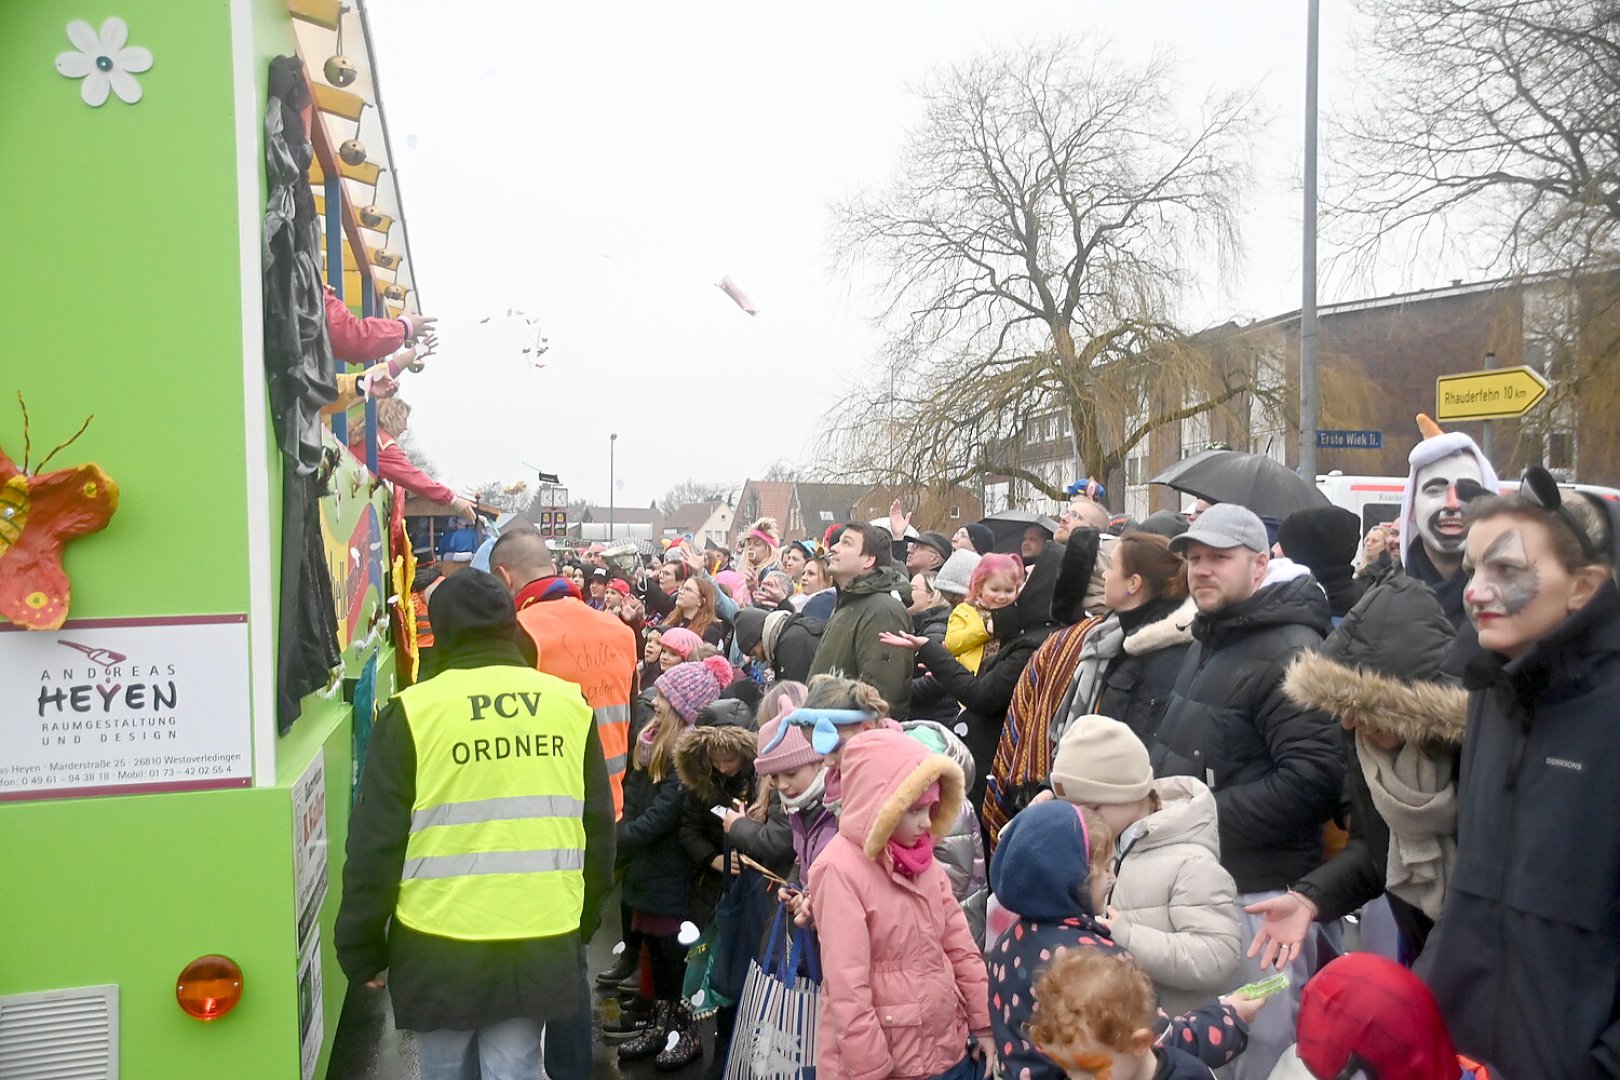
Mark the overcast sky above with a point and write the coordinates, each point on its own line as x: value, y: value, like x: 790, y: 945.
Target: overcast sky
x: 601, y: 166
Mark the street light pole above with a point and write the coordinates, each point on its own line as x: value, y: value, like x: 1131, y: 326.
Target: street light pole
x: 1307, y: 307
x: 613, y: 441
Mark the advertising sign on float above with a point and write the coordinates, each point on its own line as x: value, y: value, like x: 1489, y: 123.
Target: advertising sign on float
x: 124, y: 707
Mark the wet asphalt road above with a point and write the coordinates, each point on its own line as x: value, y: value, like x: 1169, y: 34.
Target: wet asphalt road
x: 367, y: 1047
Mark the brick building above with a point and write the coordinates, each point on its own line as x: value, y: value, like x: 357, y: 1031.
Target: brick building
x: 1378, y: 359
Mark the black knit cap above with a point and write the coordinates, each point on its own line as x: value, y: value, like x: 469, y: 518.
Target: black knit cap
x: 471, y: 606
x: 1322, y: 538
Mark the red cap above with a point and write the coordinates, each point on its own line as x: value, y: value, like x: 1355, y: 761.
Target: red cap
x: 1366, y: 1005
x: 619, y: 585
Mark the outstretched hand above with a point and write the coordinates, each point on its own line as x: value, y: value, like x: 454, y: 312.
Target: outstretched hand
x: 902, y: 641
x: 1285, y: 920
x: 899, y: 520
x: 1246, y: 1007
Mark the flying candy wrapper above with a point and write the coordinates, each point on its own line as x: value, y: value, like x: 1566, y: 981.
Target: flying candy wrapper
x: 729, y: 287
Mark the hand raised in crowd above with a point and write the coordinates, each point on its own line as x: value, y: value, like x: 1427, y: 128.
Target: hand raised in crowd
x: 463, y: 509
x: 902, y: 641
x: 899, y: 520
x: 631, y: 610
x: 1286, y: 919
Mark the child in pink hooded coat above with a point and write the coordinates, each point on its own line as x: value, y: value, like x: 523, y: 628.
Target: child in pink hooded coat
x: 903, y: 984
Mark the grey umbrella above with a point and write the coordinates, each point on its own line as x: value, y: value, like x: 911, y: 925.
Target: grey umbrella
x: 1263, y: 485
x: 1008, y: 528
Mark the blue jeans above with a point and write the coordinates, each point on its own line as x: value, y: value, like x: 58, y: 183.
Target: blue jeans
x: 966, y: 1069
x: 509, y: 1050
x: 568, y: 1041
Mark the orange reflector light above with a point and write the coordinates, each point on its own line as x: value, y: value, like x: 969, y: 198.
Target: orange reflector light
x: 209, y: 987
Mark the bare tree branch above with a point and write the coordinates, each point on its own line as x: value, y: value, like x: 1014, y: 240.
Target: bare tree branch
x: 1030, y: 253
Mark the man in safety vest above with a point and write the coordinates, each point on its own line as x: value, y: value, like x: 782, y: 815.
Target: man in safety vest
x: 593, y: 649
x: 484, y: 829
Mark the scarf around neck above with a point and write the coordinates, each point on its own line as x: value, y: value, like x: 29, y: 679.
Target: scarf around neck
x: 1104, y: 641
x: 546, y: 588
x: 1416, y: 794
x: 809, y: 798
x: 913, y: 860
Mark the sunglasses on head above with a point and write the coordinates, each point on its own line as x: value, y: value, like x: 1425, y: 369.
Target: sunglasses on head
x: 1540, y: 489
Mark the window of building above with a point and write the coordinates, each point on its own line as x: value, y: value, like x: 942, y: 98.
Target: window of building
x: 956, y: 512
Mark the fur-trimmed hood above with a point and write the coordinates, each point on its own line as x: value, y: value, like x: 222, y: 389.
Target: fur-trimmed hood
x: 883, y: 772
x: 1380, y: 666
x: 696, y: 751
x: 1174, y: 629
x: 1419, y: 711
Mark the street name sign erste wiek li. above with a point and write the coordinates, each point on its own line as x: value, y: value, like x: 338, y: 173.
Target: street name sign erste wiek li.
x: 1497, y: 394
x: 1349, y: 440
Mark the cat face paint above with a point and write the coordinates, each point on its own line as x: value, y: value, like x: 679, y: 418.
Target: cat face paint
x: 1518, y: 591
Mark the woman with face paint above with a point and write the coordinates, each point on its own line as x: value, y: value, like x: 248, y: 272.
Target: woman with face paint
x: 1526, y: 955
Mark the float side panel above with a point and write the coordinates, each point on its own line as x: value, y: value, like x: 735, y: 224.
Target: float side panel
x: 128, y: 891
x: 120, y: 284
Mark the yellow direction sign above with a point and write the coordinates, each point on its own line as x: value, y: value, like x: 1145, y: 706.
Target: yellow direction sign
x: 1498, y: 394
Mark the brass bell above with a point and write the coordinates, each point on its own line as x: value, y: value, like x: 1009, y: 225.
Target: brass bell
x: 396, y: 293
x: 353, y: 152
x: 371, y: 216
x: 340, y: 71
x: 417, y: 366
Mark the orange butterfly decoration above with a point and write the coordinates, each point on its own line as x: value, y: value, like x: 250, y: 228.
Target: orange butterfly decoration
x: 39, y: 513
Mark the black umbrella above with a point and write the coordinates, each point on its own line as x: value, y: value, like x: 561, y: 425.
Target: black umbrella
x: 1008, y: 528
x: 1253, y: 480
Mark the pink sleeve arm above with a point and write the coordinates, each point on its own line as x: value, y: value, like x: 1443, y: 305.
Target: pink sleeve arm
x: 396, y: 468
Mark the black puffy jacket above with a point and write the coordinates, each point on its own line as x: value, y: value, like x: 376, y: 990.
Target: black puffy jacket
x: 1380, y: 667
x: 796, y: 647
x: 985, y: 697
x: 657, y: 874
x: 1137, y: 684
x: 1525, y: 959
x: 930, y: 700
x: 1276, y: 768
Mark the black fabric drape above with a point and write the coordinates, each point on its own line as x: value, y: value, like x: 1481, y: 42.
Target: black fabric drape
x: 302, y: 377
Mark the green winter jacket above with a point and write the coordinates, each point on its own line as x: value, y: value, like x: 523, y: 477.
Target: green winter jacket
x: 850, y: 646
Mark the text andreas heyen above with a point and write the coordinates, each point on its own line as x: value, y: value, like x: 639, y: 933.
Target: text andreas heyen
x: 143, y: 709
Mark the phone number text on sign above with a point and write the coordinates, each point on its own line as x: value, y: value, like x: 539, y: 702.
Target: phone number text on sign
x: 117, y: 707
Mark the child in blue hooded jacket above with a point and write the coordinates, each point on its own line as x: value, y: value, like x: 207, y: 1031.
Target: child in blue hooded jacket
x: 1051, y: 870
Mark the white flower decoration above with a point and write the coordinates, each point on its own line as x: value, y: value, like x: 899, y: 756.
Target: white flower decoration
x: 103, y: 62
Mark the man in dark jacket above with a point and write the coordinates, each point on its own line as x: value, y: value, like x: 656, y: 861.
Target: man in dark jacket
x: 1276, y: 769
x: 480, y: 850
x: 869, y: 591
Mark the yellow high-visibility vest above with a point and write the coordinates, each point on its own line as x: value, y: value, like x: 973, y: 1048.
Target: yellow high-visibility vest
x: 497, y: 841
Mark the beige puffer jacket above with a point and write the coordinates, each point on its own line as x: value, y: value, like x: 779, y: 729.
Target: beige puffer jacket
x: 1176, y: 907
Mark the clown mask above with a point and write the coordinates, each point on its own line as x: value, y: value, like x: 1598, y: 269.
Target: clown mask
x: 1436, y: 508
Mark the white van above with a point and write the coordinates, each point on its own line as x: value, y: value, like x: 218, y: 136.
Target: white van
x: 1377, y: 499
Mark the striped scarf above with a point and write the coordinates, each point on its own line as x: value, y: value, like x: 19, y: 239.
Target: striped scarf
x: 1024, y: 754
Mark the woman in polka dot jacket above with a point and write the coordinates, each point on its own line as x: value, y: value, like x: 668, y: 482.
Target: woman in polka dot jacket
x: 1042, y: 870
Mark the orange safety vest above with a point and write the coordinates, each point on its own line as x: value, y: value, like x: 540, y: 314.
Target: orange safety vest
x: 596, y: 651
x: 424, y: 628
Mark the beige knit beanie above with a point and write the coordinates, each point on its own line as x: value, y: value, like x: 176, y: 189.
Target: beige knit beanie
x: 1100, y: 762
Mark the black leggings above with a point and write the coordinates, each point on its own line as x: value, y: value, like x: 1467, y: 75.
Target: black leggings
x: 667, y: 957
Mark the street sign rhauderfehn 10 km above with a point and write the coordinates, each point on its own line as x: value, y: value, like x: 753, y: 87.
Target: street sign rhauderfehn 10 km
x: 1497, y: 394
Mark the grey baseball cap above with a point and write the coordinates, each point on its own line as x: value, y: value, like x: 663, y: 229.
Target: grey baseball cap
x: 1225, y: 525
